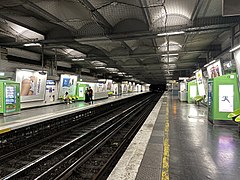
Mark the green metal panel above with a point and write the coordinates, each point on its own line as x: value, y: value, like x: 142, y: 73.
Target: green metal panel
x: 229, y: 79
x: 192, y: 91
x: 210, y: 99
x: 10, y: 97
x: 1, y: 98
x: 81, y: 88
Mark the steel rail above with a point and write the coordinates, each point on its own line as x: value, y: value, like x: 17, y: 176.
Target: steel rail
x: 41, y: 159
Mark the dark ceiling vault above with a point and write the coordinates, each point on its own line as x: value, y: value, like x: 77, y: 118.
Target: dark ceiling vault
x: 152, y: 40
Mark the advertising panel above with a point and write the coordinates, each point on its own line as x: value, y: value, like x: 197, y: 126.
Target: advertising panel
x: 200, y: 85
x: 109, y: 84
x: 193, y: 91
x: 68, y: 83
x: 10, y: 98
x: 51, y: 91
x: 183, y: 86
x: 237, y: 59
x: 214, y: 70
x: 226, y: 98
x: 32, y: 85
x: 81, y: 91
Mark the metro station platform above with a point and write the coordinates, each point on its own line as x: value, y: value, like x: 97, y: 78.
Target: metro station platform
x: 35, y: 115
x: 177, y: 142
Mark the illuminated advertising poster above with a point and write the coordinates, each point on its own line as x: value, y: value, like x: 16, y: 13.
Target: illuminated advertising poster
x: 51, y: 91
x: 226, y: 98
x: 81, y: 91
x: 68, y: 83
x: 237, y: 60
x: 193, y: 91
x: 32, y: 85
x: 183, y: 86
x: 200, y: 85
x: 214, y: 70
x: 109, y: 84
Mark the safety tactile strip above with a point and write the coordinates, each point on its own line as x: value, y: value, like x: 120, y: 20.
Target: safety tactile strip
x: 151, y: 164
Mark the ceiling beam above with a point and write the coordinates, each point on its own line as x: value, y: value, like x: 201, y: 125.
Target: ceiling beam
x: 139, y: 35
x: 147, y: 55
x: 216, y: 21
x: 96, y: 14
x: 53, y: 19
x: 148, y: 20
x: 196, y: 10
x: 162, y: 69
x: 28, y: 26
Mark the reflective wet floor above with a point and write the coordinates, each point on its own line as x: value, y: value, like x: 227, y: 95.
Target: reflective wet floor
x: 199, y: 150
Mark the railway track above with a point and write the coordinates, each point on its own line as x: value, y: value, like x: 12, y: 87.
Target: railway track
x: 68, y: 154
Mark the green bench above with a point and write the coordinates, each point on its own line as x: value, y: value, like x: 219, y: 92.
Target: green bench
x: 235, y: 116
x: 237, y: 119
x: 198, y: 99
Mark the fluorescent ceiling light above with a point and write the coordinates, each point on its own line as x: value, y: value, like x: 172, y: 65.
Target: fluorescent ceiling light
x: 183, y: 78
x: 31, y: 44
x: 73, y: 53
x: 121, y: 73
x: 99, y: 67
x: 113, y: 70
x: 165, y: 55
x: 78, y: 59
x: 129, y: 76
x: 235, y: 48
x: 171, y: 33
x: 27, y: 70
x: 209, y: 63
x: 98, y: 63
x: 102, y: 80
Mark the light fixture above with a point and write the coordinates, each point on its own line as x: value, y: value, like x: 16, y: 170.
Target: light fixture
x: 78, y: 59
x: 165, y: 55
x: 30, y: 70
x: 195, y: 71
x: 113, y: 70
x: 32, y: 44
x: 235, y: 48
x: 183, y: 78
x: 129, y: 76
x: 121, y: 73
x: 99, y: 67
x: 209, y: 63
x: 102, y: 80
x: 171, y: 33
x: 98, y: 63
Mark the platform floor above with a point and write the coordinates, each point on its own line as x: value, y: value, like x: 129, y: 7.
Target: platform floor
x: 30, y: 116
x: 177, y: 142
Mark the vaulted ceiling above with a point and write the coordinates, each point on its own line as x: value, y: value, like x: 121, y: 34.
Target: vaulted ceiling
x: 149, y: 40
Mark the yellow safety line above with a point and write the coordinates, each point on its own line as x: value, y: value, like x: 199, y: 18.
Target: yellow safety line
x: 5, y: 130
x: 166, y: 148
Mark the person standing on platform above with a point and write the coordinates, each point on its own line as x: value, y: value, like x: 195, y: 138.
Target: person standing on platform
x: 66, y: 98
x: 90, y: 95
x: 87, y: 99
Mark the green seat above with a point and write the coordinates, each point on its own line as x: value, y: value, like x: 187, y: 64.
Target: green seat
x: 198, y: 98
x: 237, y: 119
x: 234, y: 114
